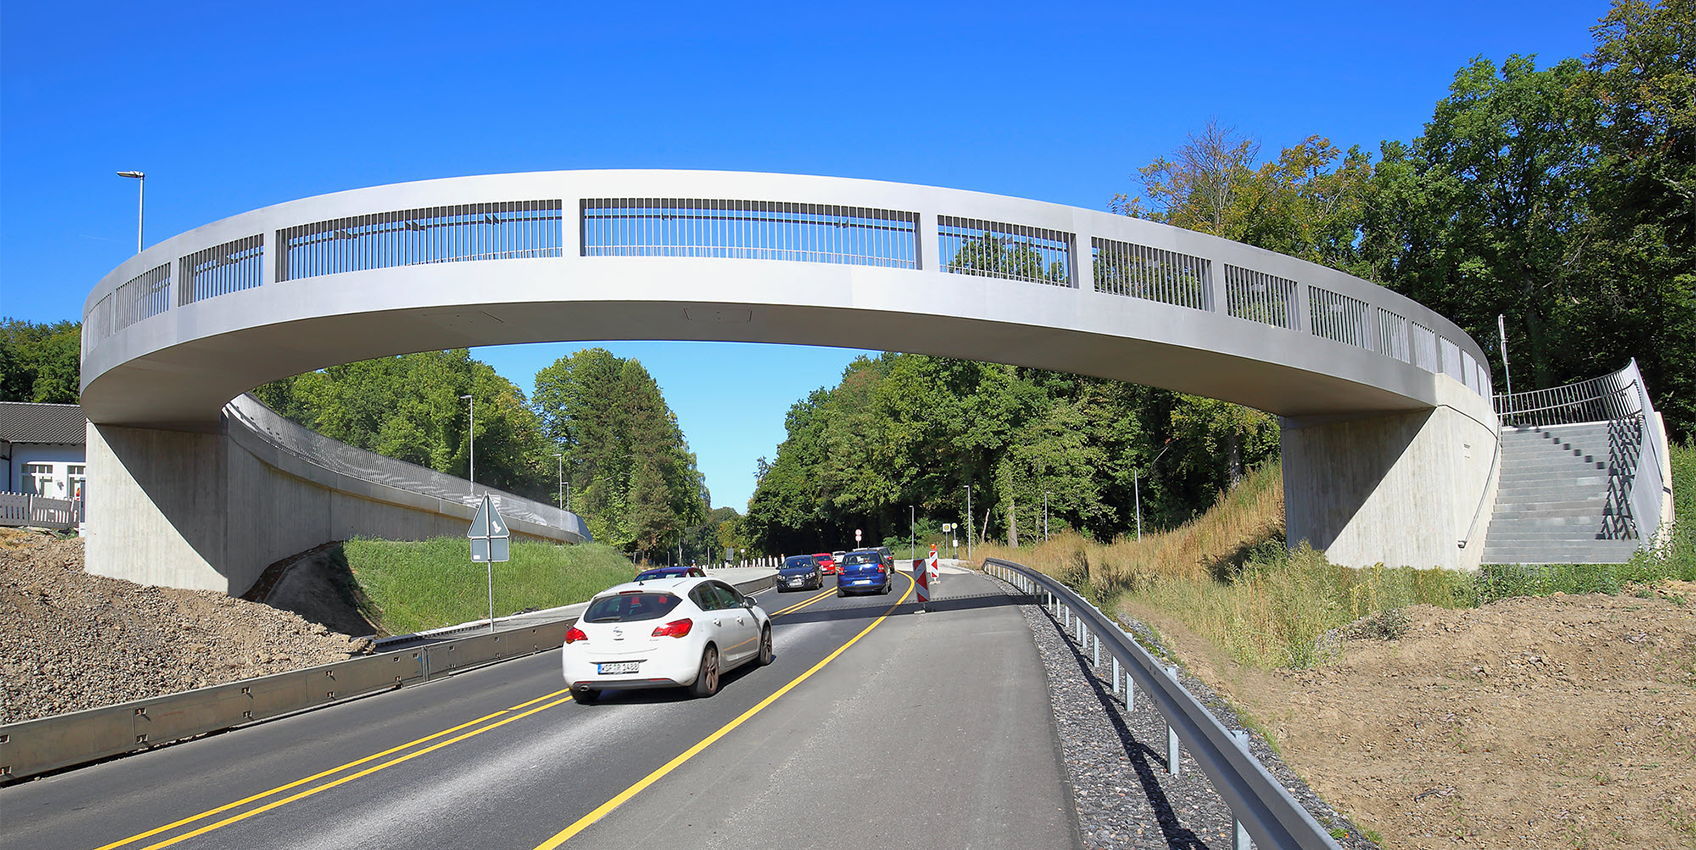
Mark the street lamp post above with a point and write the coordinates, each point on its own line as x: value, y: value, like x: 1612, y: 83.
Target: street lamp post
x: 1136, y: 485
x: 559, y: 494
x: 1045, y: 516
x: 471, y: 434
x: 140, y: 204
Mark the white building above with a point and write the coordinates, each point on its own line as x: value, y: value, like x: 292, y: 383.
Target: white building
x: 42, y: 449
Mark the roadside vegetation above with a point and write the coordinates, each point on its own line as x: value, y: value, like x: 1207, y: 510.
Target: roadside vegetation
x: 404, y: 587
x: 1229, y: 577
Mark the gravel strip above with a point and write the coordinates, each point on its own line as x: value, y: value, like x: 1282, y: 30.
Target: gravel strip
x: 1117, y: 759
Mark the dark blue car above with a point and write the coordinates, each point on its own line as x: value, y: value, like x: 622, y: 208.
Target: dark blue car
x: 865, y: 571
x: 799, y: 572
x: 670, y: 572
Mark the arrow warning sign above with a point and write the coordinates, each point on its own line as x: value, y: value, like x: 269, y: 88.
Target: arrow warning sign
x: 489, y: 534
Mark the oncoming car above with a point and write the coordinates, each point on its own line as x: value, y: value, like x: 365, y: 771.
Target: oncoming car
x: 663, y: 633
x: 799, y: 572
x: 669, y: 572
x: 865, y: 571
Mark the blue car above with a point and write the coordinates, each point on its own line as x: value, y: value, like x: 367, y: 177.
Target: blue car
x: 670, y: 572
x: 865, y: 571
x: 799, y: 572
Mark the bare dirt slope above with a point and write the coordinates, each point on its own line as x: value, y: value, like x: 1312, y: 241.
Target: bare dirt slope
x: 70, y: 640
x: 1531, y: 722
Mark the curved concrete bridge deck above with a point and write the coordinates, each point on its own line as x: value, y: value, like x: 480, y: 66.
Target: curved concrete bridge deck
x: 1389, y: 437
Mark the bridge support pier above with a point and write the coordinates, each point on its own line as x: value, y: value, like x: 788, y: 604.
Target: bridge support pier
x: 1401, y: 489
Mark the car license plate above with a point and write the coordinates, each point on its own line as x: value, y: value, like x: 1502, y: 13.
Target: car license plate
x: 608, y: 668
x: 863, y: 581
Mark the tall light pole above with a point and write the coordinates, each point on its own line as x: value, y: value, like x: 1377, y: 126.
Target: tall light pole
x: 912, y: 532
x: 1045, y: 516
x: 968, y: 523
x: 560, y: 493
x: 471, y: 433
x: 140, y: 204
x: 1136, y: 485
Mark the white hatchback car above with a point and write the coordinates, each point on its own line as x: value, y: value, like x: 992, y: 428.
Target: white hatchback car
x: 663, y: 633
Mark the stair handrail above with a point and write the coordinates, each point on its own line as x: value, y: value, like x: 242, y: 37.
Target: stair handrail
x: 1484, y: 497
x: 1647, y: 485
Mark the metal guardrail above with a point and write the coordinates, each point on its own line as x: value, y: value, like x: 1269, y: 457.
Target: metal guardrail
x: 66, y: 740
x: 1262, y: 807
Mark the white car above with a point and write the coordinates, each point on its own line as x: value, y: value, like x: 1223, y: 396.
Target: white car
x: 661, y: 633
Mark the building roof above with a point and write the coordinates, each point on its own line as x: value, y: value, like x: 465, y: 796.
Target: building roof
x: 24, y: 422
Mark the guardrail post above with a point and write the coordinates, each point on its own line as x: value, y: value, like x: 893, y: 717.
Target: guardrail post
x: 1115, y: 673
x: 1240, y: 839
x: 1097, y: 650
x: 1171, y: 735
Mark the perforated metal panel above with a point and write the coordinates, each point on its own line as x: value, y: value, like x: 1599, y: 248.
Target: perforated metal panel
x: 750, y: 230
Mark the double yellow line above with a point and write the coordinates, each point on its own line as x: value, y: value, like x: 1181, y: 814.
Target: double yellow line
x: 412, y: 749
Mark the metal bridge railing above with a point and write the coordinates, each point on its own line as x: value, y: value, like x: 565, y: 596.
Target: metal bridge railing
x: 1637, y: 443
x: 1262, y: 807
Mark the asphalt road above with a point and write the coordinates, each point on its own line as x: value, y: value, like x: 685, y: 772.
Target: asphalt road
x: 876, y: 725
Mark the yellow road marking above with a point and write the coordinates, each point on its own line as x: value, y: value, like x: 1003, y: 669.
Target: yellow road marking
x: 606, y: 808
x: 392, y: 750
x: 320, y: 775
x: 350, y: 777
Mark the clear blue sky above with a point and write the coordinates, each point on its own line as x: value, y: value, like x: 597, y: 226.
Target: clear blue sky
x: 232, y: 106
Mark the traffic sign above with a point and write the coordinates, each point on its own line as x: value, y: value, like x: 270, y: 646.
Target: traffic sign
x: 490, y: 539
x: 856, y: 537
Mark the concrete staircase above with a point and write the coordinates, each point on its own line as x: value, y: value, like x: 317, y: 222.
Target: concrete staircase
x: 1563, y: 495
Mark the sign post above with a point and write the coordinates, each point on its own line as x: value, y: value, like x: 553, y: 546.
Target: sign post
x: 490, y: 542
x: 856, y: 538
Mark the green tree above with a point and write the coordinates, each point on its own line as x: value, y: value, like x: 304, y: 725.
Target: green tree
x: 632, y: 475
x: 1486, y: 212
x: 409, y: 408
x: 1641, y: 265
x: 40, y: 363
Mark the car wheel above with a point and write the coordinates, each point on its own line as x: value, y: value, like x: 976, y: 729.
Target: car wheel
x: 586, y: 696
x: 887, y: 586
x: 765, y: 646
x: 706, y: 679
x: 840, y: 592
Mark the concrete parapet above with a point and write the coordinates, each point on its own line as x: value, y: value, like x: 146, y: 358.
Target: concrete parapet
x: 1403, y: 489
x: 210, y: 511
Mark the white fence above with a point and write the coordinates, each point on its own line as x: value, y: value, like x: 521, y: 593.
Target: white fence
x: 23, y: 509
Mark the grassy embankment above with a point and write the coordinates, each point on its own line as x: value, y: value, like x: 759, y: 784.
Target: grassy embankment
x: 1228, y: 576
x: 409, y: 586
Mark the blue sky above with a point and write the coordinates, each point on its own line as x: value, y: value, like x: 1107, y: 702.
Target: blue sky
x: 228, y: 107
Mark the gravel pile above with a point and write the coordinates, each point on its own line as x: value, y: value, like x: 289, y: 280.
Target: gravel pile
x: 1117, y: 759
x: 72, y: 641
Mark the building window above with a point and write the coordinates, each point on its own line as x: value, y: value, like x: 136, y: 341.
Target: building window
x: 38, y: 479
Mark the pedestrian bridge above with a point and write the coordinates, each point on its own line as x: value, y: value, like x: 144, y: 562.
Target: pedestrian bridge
x: 1389, y: 439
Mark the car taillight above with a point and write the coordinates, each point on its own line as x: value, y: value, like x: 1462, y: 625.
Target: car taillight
x: 574, y: 635
x: 675, y: 628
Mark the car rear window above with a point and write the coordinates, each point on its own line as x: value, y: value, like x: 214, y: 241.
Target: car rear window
x: 861, y: 558
x: 630, y: 607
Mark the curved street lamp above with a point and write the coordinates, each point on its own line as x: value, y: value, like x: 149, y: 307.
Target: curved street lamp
x: 141, y: 203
